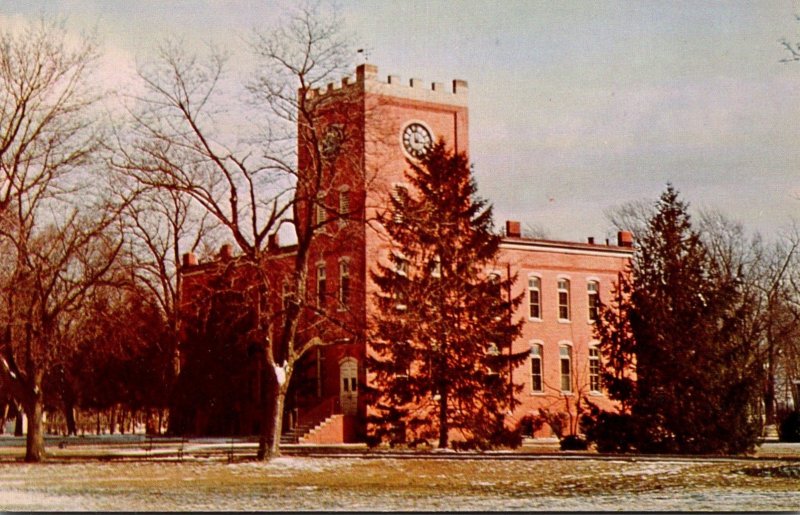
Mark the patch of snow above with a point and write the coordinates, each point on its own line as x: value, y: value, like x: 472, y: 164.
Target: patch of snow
x: 652, y: 468
x: 280, y: 373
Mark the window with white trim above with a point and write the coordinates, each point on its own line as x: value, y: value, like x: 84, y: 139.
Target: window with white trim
x: 344, y: 282
x: 492, y: 350
x: 593, y: 295
x: 321, y: 285
x: 436, y: 268
x: 401, y: 265
x: 565, y: 359
x: 319, y: 211
x: 344, y: 206
x: 536, y: 368
x: 534, y: 297
x: 494, y: 284
x: 594, y: 368
x: 286, y: 295
x: 400, y: 196
x: 563, y: 299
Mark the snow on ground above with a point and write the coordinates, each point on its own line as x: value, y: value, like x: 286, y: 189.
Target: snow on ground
x: 289, y: 465
x: 351, y: 484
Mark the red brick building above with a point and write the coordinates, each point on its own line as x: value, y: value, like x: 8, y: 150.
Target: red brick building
x: 381, y: 124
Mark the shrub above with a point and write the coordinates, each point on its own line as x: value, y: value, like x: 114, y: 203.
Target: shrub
x: 529, y: 424
x: 507, y: 438
x: 789, y: 429
x: 610, y: 432
x: 573, y: 443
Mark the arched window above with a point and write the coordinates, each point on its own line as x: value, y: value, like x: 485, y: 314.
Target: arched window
x: 344, y: 282
x: 320, y: 215
x: 534, y: 297
x: 565, y: 358
x: 594, y: 368
x: 400, y: 201
x: 436, y: 267
x: 493, y: 284
x: 563, y: 299
x: 536, y: 368
x: 344, y: 207
x: 593, y: 294
x: 321, y: 285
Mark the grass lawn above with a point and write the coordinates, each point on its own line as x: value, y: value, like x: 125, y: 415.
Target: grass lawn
x: 352, y: 484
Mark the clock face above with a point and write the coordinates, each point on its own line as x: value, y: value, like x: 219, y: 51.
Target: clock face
x: 416, y: 140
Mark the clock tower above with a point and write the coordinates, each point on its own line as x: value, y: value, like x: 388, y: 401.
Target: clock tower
x: 370, y: 129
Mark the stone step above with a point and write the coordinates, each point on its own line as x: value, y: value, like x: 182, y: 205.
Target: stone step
x: 294, y: 435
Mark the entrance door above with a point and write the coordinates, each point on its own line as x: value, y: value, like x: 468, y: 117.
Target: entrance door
x: 348, y: 385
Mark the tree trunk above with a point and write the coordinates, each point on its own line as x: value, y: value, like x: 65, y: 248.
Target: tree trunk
x: 769, y: 402
x: 443, y: 427
x: 34, y: 442
x: 112, y: 420
x: 69, y: 414
x: 4, y: 417
x: 270, y: 439
x: 18, y: 423
x: 149, y: 422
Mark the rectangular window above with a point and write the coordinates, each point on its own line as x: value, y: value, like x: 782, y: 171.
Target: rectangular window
x: 594, y: 369
x: 400, y: 300
x: 593, y: 291
x: 344, y: 206
x: 399, y: 203
x: 534, y: 297
x: 436, y: 270
x: 565, y: 352
x: 319, y: 212
x: 321, y: 286
x: 536, y: 368
x: 493, y: 285
x: 286, y: 295
x: 401, y: 265
x: 563, y: 299
x: 344, y: 282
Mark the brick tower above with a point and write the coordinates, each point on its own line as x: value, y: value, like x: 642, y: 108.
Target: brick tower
x: 370, y: 128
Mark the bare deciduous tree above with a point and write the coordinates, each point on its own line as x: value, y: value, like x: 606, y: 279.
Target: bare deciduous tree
x: 55, y: 247
x: 251, y: 185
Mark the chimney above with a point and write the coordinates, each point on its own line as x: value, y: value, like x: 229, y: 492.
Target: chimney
x: 513, y: 229
x: 189, y: 259
x: 273, y: 242
x: 226, y: 252
x: 624, y: 239
x: 591, y: 240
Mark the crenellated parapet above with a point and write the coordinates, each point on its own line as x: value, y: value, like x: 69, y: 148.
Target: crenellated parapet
x: 366, y: 79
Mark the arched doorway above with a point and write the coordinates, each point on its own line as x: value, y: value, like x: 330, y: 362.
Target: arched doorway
x: 348, y: 385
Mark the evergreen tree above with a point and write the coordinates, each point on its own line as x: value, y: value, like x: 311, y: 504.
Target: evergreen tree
x: 678, y: 324
x: 442, y: 337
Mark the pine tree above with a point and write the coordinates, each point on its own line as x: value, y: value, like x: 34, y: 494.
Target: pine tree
x: 442, y: 336
x: 678, y: 325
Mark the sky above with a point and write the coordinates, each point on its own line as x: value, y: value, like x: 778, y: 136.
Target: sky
x: 574, y: 106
